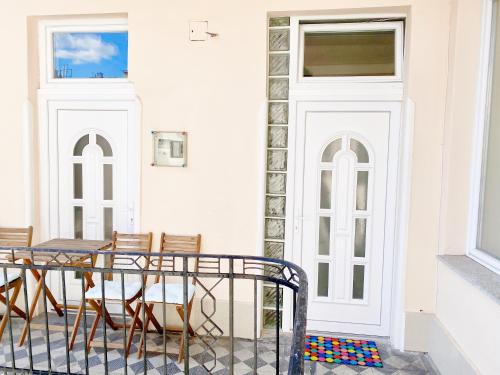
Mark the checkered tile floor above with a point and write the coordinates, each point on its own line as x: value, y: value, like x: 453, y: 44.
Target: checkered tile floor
x: 395, y: 362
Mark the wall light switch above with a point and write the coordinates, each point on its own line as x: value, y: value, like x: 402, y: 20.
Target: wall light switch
x: 198, y: 30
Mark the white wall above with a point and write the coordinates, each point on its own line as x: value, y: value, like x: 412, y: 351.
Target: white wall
x: 468, y: 318
x: 214, y: 90
x: 472, y: 320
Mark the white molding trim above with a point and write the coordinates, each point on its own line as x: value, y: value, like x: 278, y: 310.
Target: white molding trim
x: 29, y: 192
x: 51, y: 99
x: 351, y: 27
x: 480, y: 136
x: 46, y: 29
x: 398, y: 316
x: 261, y: 200
x: 353, y: 16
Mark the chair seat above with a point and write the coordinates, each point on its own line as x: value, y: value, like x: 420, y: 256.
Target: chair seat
x: 173, y: 293
x: 11, y: 276
x: 113, y: 290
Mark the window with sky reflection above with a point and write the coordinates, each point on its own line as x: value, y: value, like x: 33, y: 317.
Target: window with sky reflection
x: 91, y: 55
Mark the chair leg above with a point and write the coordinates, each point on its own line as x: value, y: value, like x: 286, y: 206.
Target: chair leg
x: 76, y: 325
x: 143, y: 331
x: 135, y: 322
x: 98, y: 314
x: 12, y: 301
x: 153, y: 319
x: 131, y: 312
x: 180, y: 357
x: 36, y: 296
x: 15, y: 309
x: 180, y: 311
x: 109, y: 320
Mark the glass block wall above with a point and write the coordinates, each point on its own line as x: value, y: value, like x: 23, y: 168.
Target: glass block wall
x: 277, y: 143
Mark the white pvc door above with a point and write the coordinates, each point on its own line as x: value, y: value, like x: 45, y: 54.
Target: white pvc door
x: 343, y: 193
x: 92, y: 153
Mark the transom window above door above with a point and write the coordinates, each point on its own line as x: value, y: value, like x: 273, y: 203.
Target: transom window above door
x: 90, y: 55
x: 83, y: 51
x: 351, y: 51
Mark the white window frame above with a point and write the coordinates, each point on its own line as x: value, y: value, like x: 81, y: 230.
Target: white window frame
x: 396, y: 26
x: 481, y: 136
x: 46, y: 49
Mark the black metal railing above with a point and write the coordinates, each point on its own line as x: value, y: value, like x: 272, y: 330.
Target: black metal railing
x: 216, y: 277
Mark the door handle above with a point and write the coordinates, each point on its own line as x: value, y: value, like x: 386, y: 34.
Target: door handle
x: 131, y: 216
x: 297, y: 223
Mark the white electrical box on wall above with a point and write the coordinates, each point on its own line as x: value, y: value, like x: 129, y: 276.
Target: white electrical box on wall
x: 198, y: 30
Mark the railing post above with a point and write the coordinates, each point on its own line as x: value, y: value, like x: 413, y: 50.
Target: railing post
x: 122, y: 282
x: 47, y: 333
x: 277, y: 328
x: 144, y: 324
x: 65, y: 307
x: 9, y: 321
x: 103, y: 317
x: 185, y: 308
x: 255, y: 325
x: 231, y: 316
x: 164, y: 316
x: 85, y: 337
x: 28, y: 322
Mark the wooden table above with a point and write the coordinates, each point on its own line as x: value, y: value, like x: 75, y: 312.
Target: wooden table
x: 51, y: 258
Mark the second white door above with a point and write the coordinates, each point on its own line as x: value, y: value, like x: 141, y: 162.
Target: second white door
x: 344, y: 190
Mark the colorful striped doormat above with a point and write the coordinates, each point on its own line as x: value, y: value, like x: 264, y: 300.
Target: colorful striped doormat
x: 342, y: 351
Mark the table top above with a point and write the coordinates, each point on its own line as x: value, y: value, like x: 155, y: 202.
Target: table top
x: 62, y: 258
x: 74, y: 244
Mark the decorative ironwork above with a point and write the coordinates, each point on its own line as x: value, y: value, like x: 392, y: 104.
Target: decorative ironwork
x: 207, y: 271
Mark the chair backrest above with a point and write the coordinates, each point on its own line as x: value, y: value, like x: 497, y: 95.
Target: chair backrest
x: 16, y: 237
x: 172, y: 244
x: 132, y: 242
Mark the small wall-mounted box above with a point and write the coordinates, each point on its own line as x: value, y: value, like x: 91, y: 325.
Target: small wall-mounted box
x: 198, y: 30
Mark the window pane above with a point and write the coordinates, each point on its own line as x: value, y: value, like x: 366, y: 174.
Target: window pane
x: 336, y: 54
x: 326, y: 190
x: 362, y: 190
x: 324, y: 236
x: 78, y: 222
x: 80, y: 145
x: 358, y: 281
x: 108, y: 181
x: 90, y: 55
x: 360, y: 238
x: 108, y: 222
x: 77, y: 181
x: 323, y: 271
x: 489, y: 233
x: 360, y: 150
x: 104, y: 144
x: 331, y: 150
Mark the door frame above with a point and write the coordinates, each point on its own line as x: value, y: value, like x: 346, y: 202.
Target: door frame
x: 51, y: 100
x: 366, y: 92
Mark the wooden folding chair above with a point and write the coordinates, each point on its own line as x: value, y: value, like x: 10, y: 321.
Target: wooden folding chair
x: 113, y: 289
x: 171, y: 244
x: 14, y: 237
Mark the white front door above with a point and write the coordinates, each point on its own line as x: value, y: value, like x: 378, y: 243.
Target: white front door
x: 93, y: 154
x: 347, y: 156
